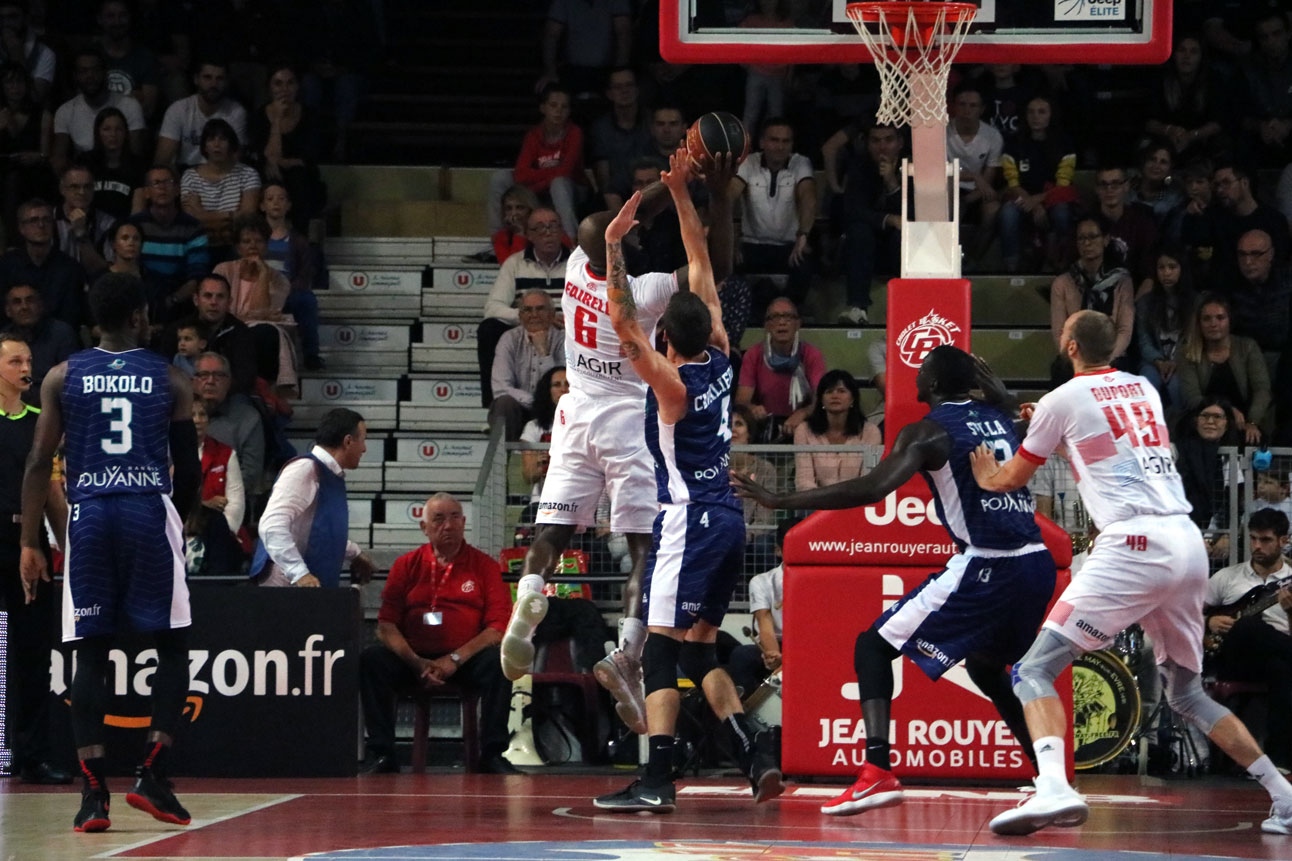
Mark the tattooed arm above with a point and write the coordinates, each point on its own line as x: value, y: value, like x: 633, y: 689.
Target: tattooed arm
x: 654, y: 369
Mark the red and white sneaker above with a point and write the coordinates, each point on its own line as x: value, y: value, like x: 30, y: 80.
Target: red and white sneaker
x: 875, y: 787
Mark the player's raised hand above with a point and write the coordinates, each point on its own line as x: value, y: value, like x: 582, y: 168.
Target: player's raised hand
x: 679, y: 171
x: 31, y: 566
x: 746, y: 488
x: 718, y: 179
x: 992, y: 387
x: 625, y: 220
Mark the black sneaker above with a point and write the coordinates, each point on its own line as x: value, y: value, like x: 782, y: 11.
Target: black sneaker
x: 152, y: 795
x: 638, y: 796
x: 765, y: 768
x: 93, y: 815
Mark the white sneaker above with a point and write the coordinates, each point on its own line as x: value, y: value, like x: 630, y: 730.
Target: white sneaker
x: 1051, y: 804
x: 517, y: 649
x: 622, y: 676
x: 854, y: 316
x: 1280, y: 821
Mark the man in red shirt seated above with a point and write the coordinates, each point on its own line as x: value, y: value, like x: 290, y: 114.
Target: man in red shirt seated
x: 443, y: 612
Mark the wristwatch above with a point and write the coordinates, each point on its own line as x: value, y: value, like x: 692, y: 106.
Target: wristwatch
x: 455, y: 658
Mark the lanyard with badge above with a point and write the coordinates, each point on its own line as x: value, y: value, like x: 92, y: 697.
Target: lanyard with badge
x: 434, y: 616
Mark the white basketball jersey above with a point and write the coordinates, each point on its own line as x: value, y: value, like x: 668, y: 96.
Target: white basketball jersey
x: 595, y: 363
x: 1111, y: 424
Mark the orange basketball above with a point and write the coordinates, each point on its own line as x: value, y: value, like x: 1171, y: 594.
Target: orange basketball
x: 714, y: 133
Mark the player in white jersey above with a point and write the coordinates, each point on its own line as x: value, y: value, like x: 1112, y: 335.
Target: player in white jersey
x: 598, y: 438
x: 1149, y: 565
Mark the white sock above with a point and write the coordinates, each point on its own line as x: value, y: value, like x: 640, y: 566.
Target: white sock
x: 1049, y: 759
x: 632, y: 637
x: 530, y: 583
x: 1275, y: 783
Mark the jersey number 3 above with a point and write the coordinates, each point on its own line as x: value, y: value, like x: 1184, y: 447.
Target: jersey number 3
x: 122, y: 411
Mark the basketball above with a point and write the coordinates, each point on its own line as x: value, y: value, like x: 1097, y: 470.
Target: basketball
x: 715, y: 133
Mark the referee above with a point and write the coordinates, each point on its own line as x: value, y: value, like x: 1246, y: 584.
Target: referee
x: 31, y: 633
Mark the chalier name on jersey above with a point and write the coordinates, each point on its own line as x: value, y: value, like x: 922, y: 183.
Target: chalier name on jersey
x: 583, y: 297
x: 116, y: 384
x: 719, y: 388
x: 598, y: 366
x: 115, y: 476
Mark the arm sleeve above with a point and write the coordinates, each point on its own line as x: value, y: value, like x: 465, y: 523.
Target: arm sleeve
x: 235, y: 493
x: 1123, y: 315
x: 171, y: 124
x: 813, y: 364
x: 504, y: 377
x: 293, y: 493
x: 1258, y: 385
x: 133, y: 113
x: 760, y: 592
x: 1190, y: 383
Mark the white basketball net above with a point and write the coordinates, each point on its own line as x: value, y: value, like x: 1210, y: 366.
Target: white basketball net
x: 910, y: 40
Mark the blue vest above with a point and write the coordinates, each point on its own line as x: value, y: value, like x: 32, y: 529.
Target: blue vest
x: 329, y: 531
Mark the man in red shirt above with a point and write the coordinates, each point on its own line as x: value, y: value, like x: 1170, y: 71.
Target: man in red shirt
x: 443, y: 612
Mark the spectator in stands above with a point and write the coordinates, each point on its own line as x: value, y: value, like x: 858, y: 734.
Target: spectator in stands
x: 19, y: 44
x: 1208, y: 426
x: 51, y: 341
x: 517, y: 203
x: 218, y: 523
x: 765, y: 83
x: 74, y: 120
x: 1188, y: 106
x: 550, y: 162
x: 1038, y: 165
x: 443, y: 612
x: 175, y: 250
x: 118, y: 170
x: 1267, y: 115
x: 225, y: 333
x: 778, y: 198
x: 667, y: 130
x: 746, y: 430
x: 305, y: 529
x: 249, y: 33
x: 1234, y: 211
x: 26, y: 140
x: 1164, y: 309
x: 542, y: 266
x: 1155, y: 189
x: 37, y: 261
x: 582, y: 41
x: 979, y: 147
x: 221, y: 189
x: 524, y: 354
x: 133, y: 70
x: 126, y: 241
x: 291, y: 254
x: 1098, y: 282
x: 340, y: 40
x: 257, y: 296
x: 779, y: 375
x: 1257, y: 647
x: 285, y: 144
x: 836, y: 419
x: 83, y: 231
x: 751, y: 663
x: 190, y: 344
x: 655, y: 244
x: 1129, y: 224
x: 549, y: 390
x: 1218, y: 364
x: 1261, y: 297
x: 1006, y: 96
x: 180, y: 140
x: 233, y: 419
x: 617, y: 138
x: 1272, y: 492
x: 863, y: 167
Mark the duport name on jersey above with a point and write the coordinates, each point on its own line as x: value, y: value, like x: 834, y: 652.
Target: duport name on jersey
x: 116, y: 384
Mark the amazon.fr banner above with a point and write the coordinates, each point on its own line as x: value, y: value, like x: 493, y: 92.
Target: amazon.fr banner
x: 272, y: 692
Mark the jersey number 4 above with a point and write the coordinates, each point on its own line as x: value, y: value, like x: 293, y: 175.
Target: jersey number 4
x: 1138, y: 423
x: 122, y: 412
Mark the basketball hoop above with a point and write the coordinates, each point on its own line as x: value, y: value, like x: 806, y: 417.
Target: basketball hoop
x: 912, y: 40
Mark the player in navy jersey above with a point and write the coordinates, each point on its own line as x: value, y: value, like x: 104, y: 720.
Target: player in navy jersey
x: 698, y: 540
x: 128, y: 419
x: 955, y: 614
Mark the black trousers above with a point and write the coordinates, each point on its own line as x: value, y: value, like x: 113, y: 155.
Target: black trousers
x: 32, y: 635
x: 383, y: 677
x: 1255, y: 652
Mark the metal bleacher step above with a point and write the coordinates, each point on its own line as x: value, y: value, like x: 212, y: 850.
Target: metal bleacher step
x: 442, y: 402
x: 377, y: 400
x: 365, y: 348
x: 444, y: 462
x: 447, y: 346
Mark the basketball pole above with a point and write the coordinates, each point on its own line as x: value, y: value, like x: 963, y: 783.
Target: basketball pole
x: 931, y: 226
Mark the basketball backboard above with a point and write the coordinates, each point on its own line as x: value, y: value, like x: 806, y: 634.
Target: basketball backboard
x: 1004, y: 31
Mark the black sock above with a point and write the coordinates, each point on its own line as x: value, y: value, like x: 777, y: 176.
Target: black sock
x: 659, y: 765
x: 155, y: 757
x: 742, y: 733
x: 93, y: 774
x: 877, y: 750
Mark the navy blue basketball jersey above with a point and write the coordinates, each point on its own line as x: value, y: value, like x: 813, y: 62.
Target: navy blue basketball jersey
x: 693, y: 456
x: 976, y: 517
x: 116, y: 412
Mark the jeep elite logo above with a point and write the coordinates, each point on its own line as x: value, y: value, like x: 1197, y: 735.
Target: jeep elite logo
x: 331, y: 389
x: 463, y: 278
x: 345, y: 335
x: 359, y: 280
x: 918, y: 338
x: 452, y: 334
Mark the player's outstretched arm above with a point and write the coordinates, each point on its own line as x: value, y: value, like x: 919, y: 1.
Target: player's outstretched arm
x: 35, y: 481
x: 699, y: 267
x: 997, y: 477
x: 655, y: 370
x: 923, y: 445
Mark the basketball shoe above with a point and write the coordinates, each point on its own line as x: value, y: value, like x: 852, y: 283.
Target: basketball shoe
x: 875, y: 787
x: 1053, y: 803
x: 152, y: 795
x: 638, y: 797
x: 518, y: 643
x: 93, y: 815
x: 621, y: 674
x: 1280, y: 821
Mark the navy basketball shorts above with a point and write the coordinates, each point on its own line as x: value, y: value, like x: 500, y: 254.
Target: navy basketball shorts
x: 696, y: 558
x: 124, y: 567
x: 987, y: 604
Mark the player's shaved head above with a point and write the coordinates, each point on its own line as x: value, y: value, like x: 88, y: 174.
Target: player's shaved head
x: 592, y: 238
x: 1094, y: 334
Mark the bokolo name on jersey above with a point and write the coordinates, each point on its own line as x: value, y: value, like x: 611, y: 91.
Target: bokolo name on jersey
x: 718, y: 389
x: 118, y: 478
x: 113, y: 384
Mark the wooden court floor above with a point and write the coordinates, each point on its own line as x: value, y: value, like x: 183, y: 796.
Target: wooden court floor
x: 450, y: 815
